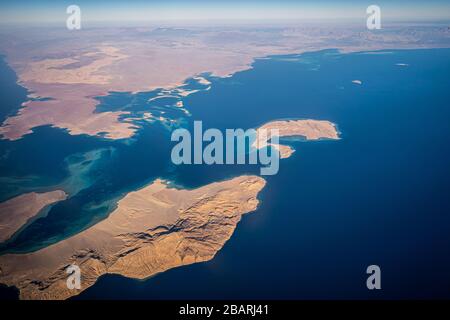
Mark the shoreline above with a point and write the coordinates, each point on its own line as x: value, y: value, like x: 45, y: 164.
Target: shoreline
x: 20, y: 211
x: 113, y: 245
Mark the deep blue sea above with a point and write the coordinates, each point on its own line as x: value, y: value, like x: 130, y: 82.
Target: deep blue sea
x: 380, y: 195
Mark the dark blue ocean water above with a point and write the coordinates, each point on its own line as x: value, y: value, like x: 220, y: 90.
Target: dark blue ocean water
x: 11, y: 94
x: 377, y: 196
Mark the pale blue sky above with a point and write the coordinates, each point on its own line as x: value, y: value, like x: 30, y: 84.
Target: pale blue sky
x: 139, y: 10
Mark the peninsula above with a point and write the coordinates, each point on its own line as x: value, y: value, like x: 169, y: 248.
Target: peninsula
x: 152, y: 230
x: 16, y: 212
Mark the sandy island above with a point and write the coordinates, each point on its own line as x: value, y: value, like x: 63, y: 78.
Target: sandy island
x: 152, y: 230
x: 17, y: 211
x: 308, y: 129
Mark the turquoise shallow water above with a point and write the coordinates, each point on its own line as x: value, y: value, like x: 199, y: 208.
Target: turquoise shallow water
x: 377, y: 196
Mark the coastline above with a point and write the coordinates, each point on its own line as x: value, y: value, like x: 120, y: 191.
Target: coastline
x: 114, y: 244
x: 19, y: 211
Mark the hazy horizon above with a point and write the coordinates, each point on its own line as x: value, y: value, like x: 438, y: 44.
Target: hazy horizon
x: 47, y: 12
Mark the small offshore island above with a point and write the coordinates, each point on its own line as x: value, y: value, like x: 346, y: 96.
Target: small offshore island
x: 308, y: 129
